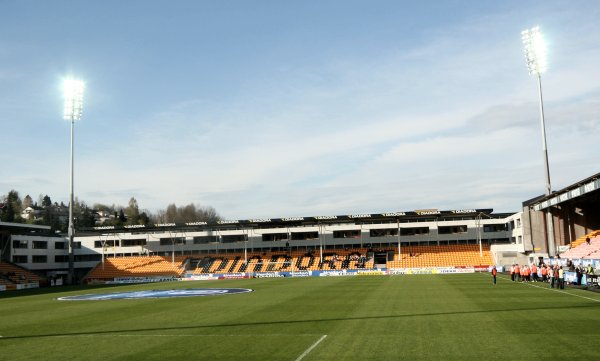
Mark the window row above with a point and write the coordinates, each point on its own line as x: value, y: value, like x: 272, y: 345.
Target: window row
x: 117, y: 243
x: 57, y: 258
x: 24, y: 244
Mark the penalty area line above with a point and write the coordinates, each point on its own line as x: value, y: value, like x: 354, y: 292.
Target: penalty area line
x: 308, y: 350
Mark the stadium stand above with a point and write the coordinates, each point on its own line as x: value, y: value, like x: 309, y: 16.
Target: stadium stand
x: 338, y: 259
x: 277, y: 261
x: 443, y: 256
x: 581, y: 240
x: 12, y: 275
x: 581, y: 249
x: 412, y: 257
x: 126, y: 267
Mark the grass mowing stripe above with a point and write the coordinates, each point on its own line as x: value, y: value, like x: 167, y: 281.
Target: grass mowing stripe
x: 308, y: 350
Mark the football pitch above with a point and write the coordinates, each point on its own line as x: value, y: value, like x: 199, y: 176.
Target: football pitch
x: 408, y: 317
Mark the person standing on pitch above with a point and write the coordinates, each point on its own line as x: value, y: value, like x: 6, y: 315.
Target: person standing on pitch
x: 544, y: 272
x: 561, y: 278
x: 494, y: 273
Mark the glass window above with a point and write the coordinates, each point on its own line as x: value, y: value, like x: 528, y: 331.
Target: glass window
x: 61, y: 258
x: 20, y: 244
x: 39, y: 245
x: 205, y: 239
x: 134, y: 242
x: 169, y: 241
x: 107, y: 243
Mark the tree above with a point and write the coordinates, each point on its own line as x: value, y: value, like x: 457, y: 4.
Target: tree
x: 46, y: 201
x: 85, y: 217
x: 132, y: 212
x: 159, y: 217
x: 122, y: 217
x: 209, y: 214
x: 171, y: 213
x: 104, y: 207
x: 27, y: 201
x: 50, y: 217
x: 8, y: 213
x: 12, y: 208
x: 144, y: 219
x: 188, y: 213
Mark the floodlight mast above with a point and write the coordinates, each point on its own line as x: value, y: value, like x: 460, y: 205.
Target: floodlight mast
x: 73, y: 107
x: 535, y: 56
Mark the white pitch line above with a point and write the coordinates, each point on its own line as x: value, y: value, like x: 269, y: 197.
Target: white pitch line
x: 308, y: 350
x: 565, y: 292
x: 555, y: 290
x: 179, y: 335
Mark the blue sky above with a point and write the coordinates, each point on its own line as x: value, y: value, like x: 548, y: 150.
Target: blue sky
x: 297, y: 108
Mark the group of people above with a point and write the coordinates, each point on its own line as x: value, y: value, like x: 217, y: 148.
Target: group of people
x: 357, y: 257
x: 552, y: 274
x: 555, y: 275
x: 12, y: 275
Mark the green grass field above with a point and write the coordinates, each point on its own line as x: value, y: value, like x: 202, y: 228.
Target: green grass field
x: 418, y: 317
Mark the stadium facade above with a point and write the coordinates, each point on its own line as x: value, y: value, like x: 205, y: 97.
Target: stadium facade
x: 512, y: 237
x: 389, y: 231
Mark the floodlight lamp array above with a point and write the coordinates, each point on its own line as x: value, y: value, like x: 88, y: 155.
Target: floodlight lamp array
x: 535, y: 50
x: 73, y: 99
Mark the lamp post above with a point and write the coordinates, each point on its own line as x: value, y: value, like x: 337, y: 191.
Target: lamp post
x: 73, y: 107
x: 321, y: 228
x: 246, y: 247
x: 535, y: 56
x: 399, y: 246
x: 478, y: 230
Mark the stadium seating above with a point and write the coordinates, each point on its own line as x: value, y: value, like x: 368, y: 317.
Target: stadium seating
x: 581, y: 240
x: 352, y: 259
x: 443, y: 256
x: 581, y: 249
x: 12, y: 275
x: 153, y: 266
x: 338, y: 259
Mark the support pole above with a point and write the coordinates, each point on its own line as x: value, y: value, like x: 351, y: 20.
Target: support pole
x: 549, y: 219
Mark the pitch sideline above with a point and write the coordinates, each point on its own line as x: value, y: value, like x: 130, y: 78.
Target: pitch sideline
x: 552, y: 289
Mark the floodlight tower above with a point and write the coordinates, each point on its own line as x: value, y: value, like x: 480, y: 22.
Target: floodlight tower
x: 73, y: 92
x: 535, y: 56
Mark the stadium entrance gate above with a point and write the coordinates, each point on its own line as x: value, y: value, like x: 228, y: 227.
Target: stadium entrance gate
x: 380, y: 258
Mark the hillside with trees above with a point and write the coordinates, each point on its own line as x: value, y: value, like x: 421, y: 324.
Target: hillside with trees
x: 45, y: 212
